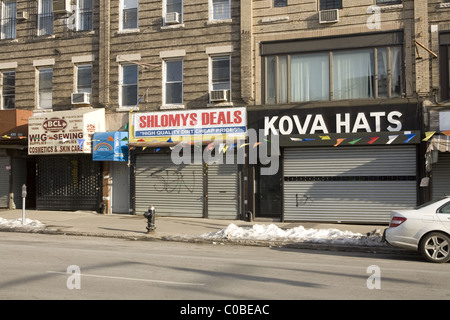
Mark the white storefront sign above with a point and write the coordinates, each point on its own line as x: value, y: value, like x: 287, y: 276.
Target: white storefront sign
x: 64, y: 132
x: 189, y: 124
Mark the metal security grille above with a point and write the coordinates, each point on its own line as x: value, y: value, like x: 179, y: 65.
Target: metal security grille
x: 174, y: 190
x: 223, y: 191
x: 68, y: 183
x: 441, y: 176
x: 4, y: 181
x: 357, y: 184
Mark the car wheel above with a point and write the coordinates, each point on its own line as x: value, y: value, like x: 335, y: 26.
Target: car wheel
x: 435, y: 247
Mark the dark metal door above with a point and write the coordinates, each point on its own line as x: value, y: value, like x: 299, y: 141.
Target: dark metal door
x: 68, y: 182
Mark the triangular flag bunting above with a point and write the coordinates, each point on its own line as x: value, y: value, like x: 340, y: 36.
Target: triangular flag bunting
x: 391, y: 139
x: 339, y: 141
x: 373, y: 139
x: 80, y: 143
x: 409, y: 137
x: 428, y: 135
x: 355, y: 140
x: 447, y: 133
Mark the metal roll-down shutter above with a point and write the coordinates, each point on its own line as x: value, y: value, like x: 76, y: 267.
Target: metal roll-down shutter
x: 174, y: 190
x: 355, y: 184
x: 441, y: 176
x: 223, y: 191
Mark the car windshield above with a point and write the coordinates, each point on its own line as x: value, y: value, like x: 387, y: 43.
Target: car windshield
x: 426, y: 204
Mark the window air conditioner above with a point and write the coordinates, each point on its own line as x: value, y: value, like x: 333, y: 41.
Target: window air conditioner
x: 21, y: 15
x: 172, y: 18
x: 61, y: 7
x: 218, y: 95
x: 81, y: 98
x: 329, y: 16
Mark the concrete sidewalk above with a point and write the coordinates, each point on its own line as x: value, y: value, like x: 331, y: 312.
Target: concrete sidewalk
x: 133, y: 227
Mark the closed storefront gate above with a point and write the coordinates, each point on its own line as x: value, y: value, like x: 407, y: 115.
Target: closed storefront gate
x: 223, y: 200
x: 353, y: 184
x: 68, y: 182
x: 174, y: 190
x: 181, y: 190
x: 441, y: 176
x: 4, y: 181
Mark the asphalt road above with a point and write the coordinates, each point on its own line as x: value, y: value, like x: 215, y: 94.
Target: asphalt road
x: 36, y: 266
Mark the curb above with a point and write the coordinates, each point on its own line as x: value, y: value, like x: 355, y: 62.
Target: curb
x: 382, y: 249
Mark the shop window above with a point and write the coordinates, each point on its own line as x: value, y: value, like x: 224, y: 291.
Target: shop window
x: 8, y: 90
x: 330, y: 4
x: 45, y: 18
x: 220, y: 9
x: 221, y: 78
x: 129, y: 14
x: 173, y: 11
x: 84, y: 15
x: 84, y: 78
x: 173, y: 82
x: 45, y: 88
x: 8, y: 23
x: 128, y: 85
x: 308, y: 77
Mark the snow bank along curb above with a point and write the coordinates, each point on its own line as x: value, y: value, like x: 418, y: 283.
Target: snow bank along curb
x: 257, y: 235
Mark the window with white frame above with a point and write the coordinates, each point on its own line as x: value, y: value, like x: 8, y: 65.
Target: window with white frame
x: 8, y: 19
x: 84, y: 78
x: 129, y: 14
x: 45, y: 88
x: 220, y: 9
x: 84, y: 15
x: 8, y: 90
x: 173, y: 82
x: 220, y: 67
x: 173, y: 11
x: 128, y: 85
x: 45, y: 18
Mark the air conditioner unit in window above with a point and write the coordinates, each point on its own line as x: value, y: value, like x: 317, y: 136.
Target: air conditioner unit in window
x: 61, y: 7
x: 172, y: 18
x: 218, y: 95
x: 21, y: 15
x: 81, y: 98
x: 329, y: 16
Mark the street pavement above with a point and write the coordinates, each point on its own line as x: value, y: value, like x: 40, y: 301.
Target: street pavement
x: 133, y: 227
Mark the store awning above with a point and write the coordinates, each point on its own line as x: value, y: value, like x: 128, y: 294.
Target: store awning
x: 439, y: 143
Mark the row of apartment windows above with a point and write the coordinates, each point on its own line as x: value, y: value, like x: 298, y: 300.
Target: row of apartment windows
x: 129, y: 15
x: 220, y: 79
x: 331, y: 4
x: 45, y: 17
x: 334, y: 75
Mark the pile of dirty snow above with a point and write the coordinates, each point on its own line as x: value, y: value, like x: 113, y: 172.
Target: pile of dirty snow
x: 16, y: 224
x: 298, y: 234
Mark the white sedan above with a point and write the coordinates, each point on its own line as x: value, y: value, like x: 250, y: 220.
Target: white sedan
x: 426, y: 229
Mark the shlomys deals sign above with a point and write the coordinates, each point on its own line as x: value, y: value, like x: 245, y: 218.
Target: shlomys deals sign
x: 64, y: 132
x: 203, y: 124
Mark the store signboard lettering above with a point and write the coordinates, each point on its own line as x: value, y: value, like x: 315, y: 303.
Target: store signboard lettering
x: 64, y: 132
x: 189, y: 124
